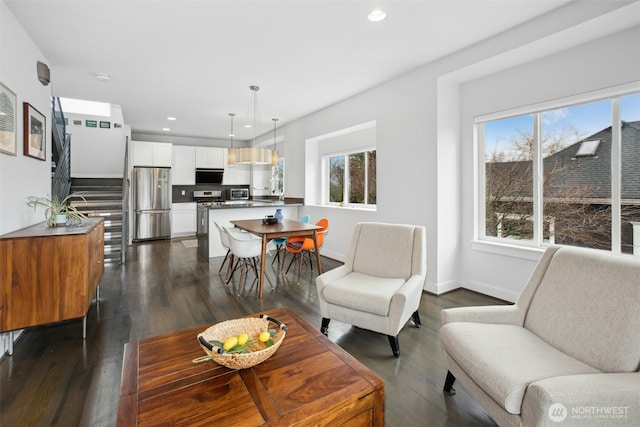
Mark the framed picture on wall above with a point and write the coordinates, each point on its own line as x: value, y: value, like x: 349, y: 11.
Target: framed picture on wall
x: 8, y: 121
x: 35, y: 125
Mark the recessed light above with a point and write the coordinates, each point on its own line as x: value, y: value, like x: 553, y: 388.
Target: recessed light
x: 102, y: 77
x: 247, y: 126
x: 171, y: 118
x: 166, y: 129
x: 376, y: 15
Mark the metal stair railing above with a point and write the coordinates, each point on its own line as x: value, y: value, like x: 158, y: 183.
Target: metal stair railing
x: 124, y: 239
x: 61, y: 152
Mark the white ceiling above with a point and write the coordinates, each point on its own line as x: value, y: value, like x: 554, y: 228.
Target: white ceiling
x: 195, y: 60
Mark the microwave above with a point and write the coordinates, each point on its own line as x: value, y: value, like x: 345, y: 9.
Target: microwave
x: 238, y: 194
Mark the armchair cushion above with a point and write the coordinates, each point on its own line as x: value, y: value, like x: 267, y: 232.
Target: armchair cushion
x: 583, y: 308
x: 362, y: 292
x: 504, y: 360
x: 385, y: 251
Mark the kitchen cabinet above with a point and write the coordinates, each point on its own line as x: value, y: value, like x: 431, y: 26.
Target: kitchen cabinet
x: 183, y: 166
x: 183, y: 219
x: 49, y: 274
x: 261, y: 180
x: 210, y: 157
x: 147, y: 153
x: 237, y: 174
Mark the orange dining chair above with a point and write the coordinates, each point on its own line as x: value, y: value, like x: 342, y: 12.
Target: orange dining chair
x: 299, y: 246
x: 280, y: 243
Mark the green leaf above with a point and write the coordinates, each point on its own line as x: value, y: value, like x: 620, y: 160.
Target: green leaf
x: 268, y: 343
x: 216, y: 343
x: 238, y: 349
x: 272, y: 332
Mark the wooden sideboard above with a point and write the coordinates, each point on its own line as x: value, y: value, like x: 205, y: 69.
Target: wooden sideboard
x: 49, y: 274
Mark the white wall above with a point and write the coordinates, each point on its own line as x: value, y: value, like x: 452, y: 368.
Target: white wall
x: 21, y: 176
x: 97, y: 152
x: 186, y: 140
x: 425, y: 174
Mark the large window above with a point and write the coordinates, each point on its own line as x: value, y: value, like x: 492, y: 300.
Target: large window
x: 567, y: 175
x: 352, y: 178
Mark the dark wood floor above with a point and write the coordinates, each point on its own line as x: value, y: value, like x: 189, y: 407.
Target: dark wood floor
x: 55, y: 378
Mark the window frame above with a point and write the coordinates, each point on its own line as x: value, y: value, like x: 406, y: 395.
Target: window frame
x: 484, y: 242
x: 326, y: 182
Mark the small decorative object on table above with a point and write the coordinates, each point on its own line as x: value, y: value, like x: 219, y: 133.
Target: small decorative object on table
x: 269, y: 220
x: 279, y: 215
x: 58, y: 213
x: 242, y: 343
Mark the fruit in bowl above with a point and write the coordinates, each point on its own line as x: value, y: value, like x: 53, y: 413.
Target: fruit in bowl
x: 242, y: 343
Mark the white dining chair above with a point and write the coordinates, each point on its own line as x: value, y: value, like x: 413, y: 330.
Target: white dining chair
x: 246, y: 250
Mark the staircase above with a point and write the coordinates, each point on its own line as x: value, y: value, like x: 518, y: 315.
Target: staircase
x: 102, y: 198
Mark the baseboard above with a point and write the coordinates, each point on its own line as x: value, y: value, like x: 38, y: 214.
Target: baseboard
x: 486, y: 289
x: 333, y: 255
x: 440, y: 288
x: 4, y: 341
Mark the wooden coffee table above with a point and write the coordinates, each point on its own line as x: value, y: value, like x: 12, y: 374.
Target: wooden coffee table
x: 308, y: 381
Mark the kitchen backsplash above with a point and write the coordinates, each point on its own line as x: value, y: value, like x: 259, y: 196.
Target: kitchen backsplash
x: 178, y: 197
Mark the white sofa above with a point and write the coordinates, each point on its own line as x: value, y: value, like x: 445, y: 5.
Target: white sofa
x: 567, y: 353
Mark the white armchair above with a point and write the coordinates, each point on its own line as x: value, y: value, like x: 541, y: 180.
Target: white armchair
x: 570, y: 343
x: 380, y: 284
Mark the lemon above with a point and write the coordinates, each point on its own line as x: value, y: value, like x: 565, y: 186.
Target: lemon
x: 230, y: 343
x: 264, y: 336
x: 242, y: 339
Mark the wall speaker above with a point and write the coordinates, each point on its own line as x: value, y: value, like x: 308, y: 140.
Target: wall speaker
x: 43, y: 73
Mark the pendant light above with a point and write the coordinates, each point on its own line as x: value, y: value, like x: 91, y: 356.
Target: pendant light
x: 274, y: 152
x: 231, y: 152
x: 253, y: 155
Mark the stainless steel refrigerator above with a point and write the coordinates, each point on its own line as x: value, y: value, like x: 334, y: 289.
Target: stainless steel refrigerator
x: 152, y: 203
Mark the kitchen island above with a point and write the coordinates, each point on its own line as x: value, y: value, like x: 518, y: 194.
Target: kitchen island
x: 209, y: 244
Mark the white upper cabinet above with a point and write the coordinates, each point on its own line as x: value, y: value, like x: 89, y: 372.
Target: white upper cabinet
x: 183, y: 167
x: 237, y: 174
x: 210, y: 157
x: 147, y: 153
x: 261, y: 180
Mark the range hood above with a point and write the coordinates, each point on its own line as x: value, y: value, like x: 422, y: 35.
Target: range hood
x: 209, y: 176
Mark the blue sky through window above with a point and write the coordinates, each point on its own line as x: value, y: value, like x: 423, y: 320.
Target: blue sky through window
x: 573, y: 123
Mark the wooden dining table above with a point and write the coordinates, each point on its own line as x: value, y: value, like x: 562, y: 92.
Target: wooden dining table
x: 287, y: 228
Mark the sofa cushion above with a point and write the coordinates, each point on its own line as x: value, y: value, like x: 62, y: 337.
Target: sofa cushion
x: 385, y: 250
x: 362, y: 292
x: 504, y: 359
x: 587, y: 305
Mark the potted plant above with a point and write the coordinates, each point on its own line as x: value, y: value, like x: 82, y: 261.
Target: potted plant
x: 57, y: 212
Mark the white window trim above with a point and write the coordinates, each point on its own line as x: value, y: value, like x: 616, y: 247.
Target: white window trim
x: 522, y: 248
x: 314, y: 169
x: 326, y: 166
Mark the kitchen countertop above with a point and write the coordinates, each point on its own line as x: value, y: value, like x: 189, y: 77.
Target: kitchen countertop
x: 231, y: 204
